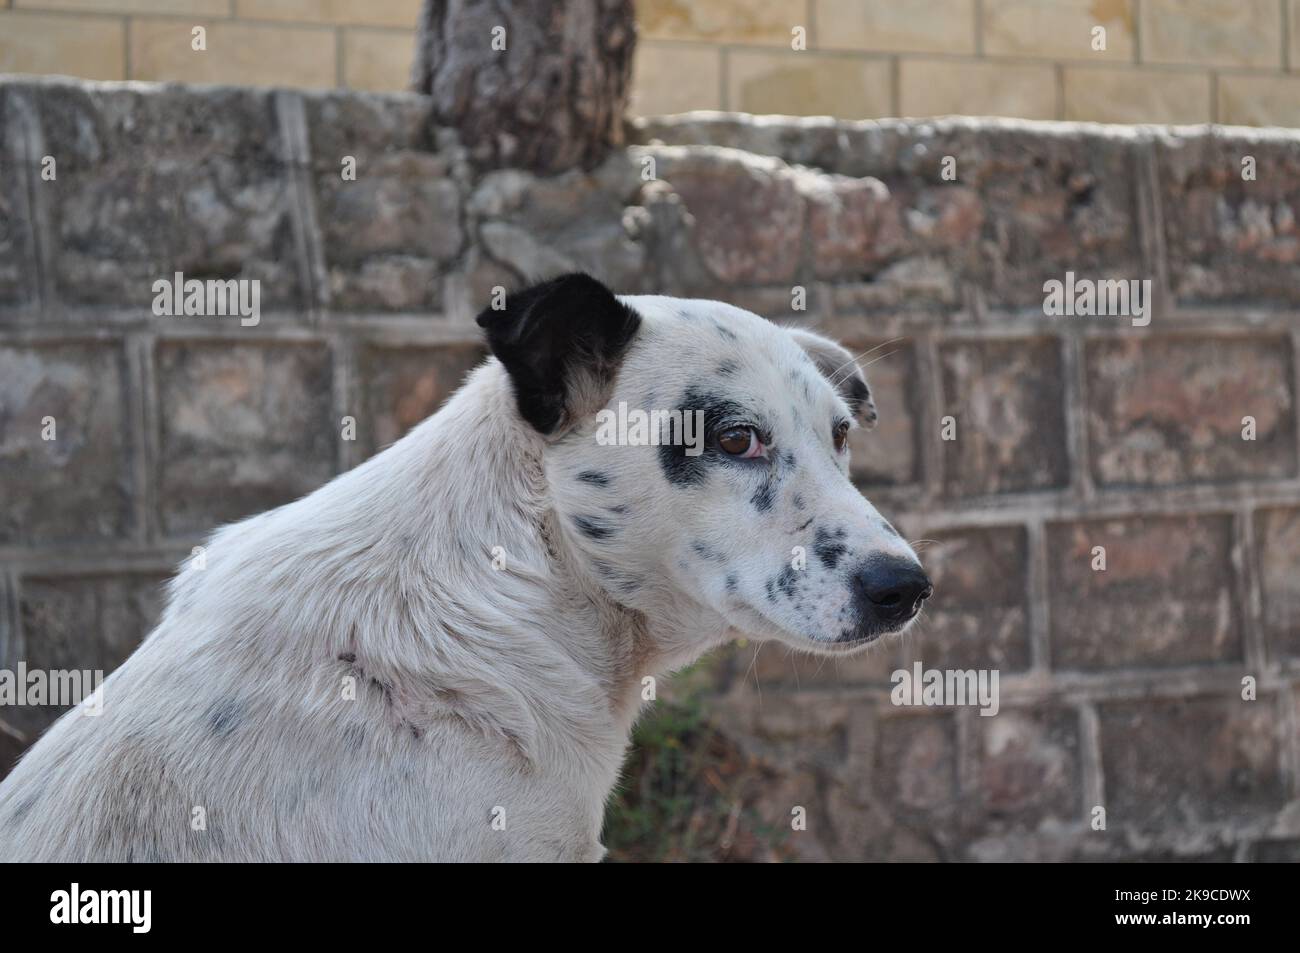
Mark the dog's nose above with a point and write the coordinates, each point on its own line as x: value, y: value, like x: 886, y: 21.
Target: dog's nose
x: 892, y: 590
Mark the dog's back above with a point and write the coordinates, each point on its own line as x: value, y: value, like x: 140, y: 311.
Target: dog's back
x: 335, y: 684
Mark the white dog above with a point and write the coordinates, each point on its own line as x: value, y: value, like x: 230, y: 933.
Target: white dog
x: 439, y: 655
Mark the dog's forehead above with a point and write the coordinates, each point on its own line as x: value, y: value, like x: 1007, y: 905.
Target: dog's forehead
x: 665, y: 309
x: 687, y: 341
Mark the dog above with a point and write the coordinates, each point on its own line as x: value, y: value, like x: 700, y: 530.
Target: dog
x: 439, y: 655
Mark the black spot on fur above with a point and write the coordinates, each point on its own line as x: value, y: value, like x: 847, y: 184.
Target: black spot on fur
x: 764, y: 496
x: 23, y: 808
x: 349, y: 657
x: 798, y: 502
x: 786, y: 581
x: 621, y: 580
x: 225, y: 717
x: 855, y: 393
x: 385, y: 689
x: 680, y: 468
x: 727, y: 368
x: 827, y: 547
x: 593, y: 527
x: 594, y: 478
x: 704, y: 551
x: 354, y: 737
x: 770, y: 586
x: 804, y: 525
x: 732, y: 582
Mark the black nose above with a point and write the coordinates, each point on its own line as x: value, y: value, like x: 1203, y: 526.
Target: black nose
x: 891, y: 590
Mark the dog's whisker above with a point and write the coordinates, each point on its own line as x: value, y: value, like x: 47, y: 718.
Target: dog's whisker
x: 876, y: 360
x: 821, y: 663
x: 758, y: 683
x: 834, y: 374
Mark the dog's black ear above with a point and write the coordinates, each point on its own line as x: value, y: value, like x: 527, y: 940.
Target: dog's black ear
x: 839, y: 367
x: 561, y: 342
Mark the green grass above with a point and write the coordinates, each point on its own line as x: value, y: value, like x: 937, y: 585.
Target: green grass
x: 688, y: 792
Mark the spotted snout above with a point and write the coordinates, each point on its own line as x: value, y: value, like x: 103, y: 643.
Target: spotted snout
x: 888, y: 592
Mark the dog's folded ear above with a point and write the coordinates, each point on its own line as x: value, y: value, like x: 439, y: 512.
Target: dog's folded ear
x: 561, y: 342
x: 840, y: 367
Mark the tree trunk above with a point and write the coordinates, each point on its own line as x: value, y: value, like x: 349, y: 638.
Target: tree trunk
x: 532, y: 84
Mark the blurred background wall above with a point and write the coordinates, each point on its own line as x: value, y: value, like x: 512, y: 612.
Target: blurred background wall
x: 1165, y: 61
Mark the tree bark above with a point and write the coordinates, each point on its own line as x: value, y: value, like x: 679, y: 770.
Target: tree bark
x: 552, y: 99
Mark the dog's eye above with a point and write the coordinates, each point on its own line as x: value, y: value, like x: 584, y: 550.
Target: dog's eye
x: 741, y: 442
x: 841, y: 436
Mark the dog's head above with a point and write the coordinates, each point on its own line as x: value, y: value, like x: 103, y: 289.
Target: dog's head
x: 696, y: 451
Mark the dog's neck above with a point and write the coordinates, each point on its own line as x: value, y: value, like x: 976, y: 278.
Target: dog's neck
x: 485, y: 561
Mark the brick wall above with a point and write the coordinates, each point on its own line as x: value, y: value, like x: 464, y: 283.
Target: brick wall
x: 1119, y: 689
x: 358, y: 44
x: 1165, y: 61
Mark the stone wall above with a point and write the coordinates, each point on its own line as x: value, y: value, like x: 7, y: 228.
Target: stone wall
x: 1120, y: 689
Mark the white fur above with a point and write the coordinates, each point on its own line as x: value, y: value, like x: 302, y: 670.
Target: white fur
x: 482, y: 693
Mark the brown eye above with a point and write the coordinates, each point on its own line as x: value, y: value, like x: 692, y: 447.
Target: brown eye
x: 841, y: 435
x: 740, y: 442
